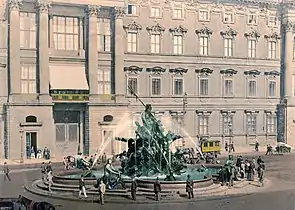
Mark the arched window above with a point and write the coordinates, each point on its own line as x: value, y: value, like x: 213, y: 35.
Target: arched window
x: 31, y: 119
x: 108, y: 118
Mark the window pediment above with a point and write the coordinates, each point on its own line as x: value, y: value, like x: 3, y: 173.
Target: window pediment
x: 179, y: 30
x: 272, y: 73
x: 133, y: 69
x: 156, y: 28
x: 156, y: 70
x: 227, y: 112
x: 204, y: 71
x: 202, y: 112
x: 205, y: 31
x: 268, y: 112
x: 178, y: 70
x: 228, y: 72
x: 132, y: 26
x: 272, y: 37
x: 251, y: 112
x: 252, y: 34
x: 252, y: 73
x: 229, y: 33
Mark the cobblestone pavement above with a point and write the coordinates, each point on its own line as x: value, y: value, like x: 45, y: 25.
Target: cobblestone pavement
x: 279, y: 196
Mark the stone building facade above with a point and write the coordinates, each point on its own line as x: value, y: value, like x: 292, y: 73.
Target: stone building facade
x: 209, y: 70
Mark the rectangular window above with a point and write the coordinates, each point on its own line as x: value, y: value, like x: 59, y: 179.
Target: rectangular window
x: 132, y: 83
x: 204, y: 45
x: 271, y: 124
x: 178, y: 44
x: 252, y: 48
x: 252, y: 88
x: 203, y: 15
x: 27, y: 30
x: 155, y: 12
x: 204, y: 87
x: 228, y: 17
x: 227, y: 124
x: 104, y: 82
x: 203, y: 125
x: 228, y: 47
x: 178, y: 86
x: 251, y: 124
x: 156, y: 86
x: 28, y: 79
x: 177, y: 13
x: 272, y: 20
x: 131, y: 9
x: 252, y: 19
x: 132, y: 42
x: 272, y: 49
x: 103, y: 35
x: 228, y: 87
x: 272, y: 87
x: 66, y: 33
x: 155, y: 43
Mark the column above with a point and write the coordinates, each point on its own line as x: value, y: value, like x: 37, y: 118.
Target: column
x: 92, y: 58
x: 43, y: 49
x: 118, y: 83
x: 81, y: 133
x: 14, y: 47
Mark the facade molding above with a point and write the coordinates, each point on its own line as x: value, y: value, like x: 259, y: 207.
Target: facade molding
x: 229, y: 33
x: 227, y: 112
x: 92, y: 10
x: 15, y: 4
x: 204, y: 71
x: 273, y: 73
x: 253, y: 34
x: 205, y: 31
x: 43, y: 5
x: 270, y: 113
x: 132, y: 26
x: 178, y: 30
x: 253, y: 73
x: 228, y: 72
x: 156, y: 70
x: 288, y: 26
x: 176, y: 113
x: 119, y: 12
x: 251, y: 112
x: 272, y: 36
x: 178, y: 70
x: 203, y: 112
x: 133, y: 69
x: 155, y: 29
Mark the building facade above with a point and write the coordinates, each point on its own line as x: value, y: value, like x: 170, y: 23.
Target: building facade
x: 209, y: 70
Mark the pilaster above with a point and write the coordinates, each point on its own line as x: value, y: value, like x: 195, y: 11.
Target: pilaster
x: 14, y: 47
x: 43, y: 49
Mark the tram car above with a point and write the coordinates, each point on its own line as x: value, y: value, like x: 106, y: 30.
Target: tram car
x: 210, y: 146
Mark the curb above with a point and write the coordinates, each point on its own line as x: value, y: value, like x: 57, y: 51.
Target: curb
x: 30, y: 165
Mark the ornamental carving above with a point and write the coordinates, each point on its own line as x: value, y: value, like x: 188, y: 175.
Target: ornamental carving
x: 205, y: 31
x: 273, y: 73
x: 92, y: 10
x: 133, y: 26
x: 229, y: 33
x: 133, y: 69
x: 273, y: 36
x: 156, y: 28
x: 253, y: 73
x: 156, y: 70
x: 15, y: 4
x: 204, y: 71
x: 43, y: 5
x: 180, y: 30
x: 119, y: 12
x: 252, y: 34
x: 228, y: 72
x: 178, y: 70
x: 288, y: 26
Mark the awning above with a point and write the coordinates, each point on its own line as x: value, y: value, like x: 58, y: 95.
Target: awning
x: 68, y: 78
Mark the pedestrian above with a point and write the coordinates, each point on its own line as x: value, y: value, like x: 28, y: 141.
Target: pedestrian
x: 102, y: 190
x: 6, y: 172
x: 189, y: 187
x: 43, y: 171
x: 226, y: 146
x: 269, y: 150
x: 104, y: 158
x: 133, y: 189
x: 257, y: 146
x: 49, y: 180
x: 157, y: 189
x: 82, y: 188
x: 261, y: 168
x: 49, y: 167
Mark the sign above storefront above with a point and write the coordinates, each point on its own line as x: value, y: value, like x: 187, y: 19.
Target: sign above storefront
x: 69, y: 95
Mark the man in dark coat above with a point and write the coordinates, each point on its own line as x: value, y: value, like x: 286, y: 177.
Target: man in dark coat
x: 157, y: 189
x: 189, y: 187
x: 6, y: 172
x: 133, y: 189
x: 43, y: 171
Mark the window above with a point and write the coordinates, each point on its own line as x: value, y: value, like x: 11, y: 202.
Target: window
x: 252, y: 48
x: 131, y: 9
x: 104, y: 82
x: 272, y: 49
x: 293, y: 84
x: 177, y: 44
x: 228, y: 47
x: 66, y: 33
x: 155, y: 12
x: 178, y: 13
x: 178, y: 86
x: 203, y: 125
x: 227, y: 124
x: 177, y: 125
x: 132, y: 83
x: 156, y: 86
x: 271, y: 124
x: 228, y: 87
x: 28, y: 79
x: 155, y: 43
x: 204, y: 45
x: 27, y: 30
x: 228, y: 17
x: 252, y: 19
x: 203, y: 15
x: 103, y: 35
x: 252, y: 88
x: 132, y: 42
x: 272, y: 86
x: 251, y: 124
x: 204, y: 87
x: 272, y: 21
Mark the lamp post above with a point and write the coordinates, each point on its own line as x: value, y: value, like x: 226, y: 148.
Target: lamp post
x: 21, y: 131
x: 184, y: 105
x: 230, y: 132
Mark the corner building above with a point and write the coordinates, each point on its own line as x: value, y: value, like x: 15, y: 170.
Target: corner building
x: 209, y: 70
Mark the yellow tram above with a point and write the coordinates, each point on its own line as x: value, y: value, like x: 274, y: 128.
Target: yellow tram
x: 208, y: 146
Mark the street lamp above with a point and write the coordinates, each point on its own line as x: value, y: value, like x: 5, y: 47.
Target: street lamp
x: 21, y: 131
x: 184, y: 105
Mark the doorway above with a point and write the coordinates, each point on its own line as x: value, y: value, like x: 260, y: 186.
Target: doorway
x: 31, y: 141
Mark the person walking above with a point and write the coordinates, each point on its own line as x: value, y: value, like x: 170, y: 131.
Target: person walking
x: 260, y: 170
x: 101, y: 190
x: 133, y: 189
x: 49, y: 167
x: 157, y: 189
x: 82, y: 188
x: 43, y: 171
x: 49, y: 180
x: 189, y: 187
x: 6, y: 172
